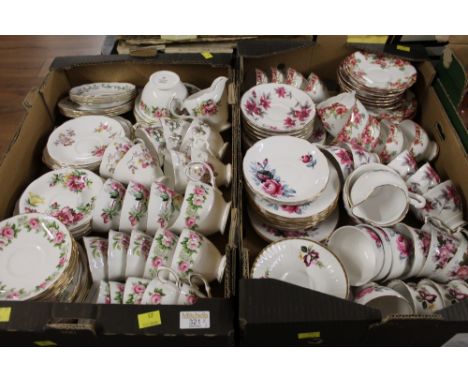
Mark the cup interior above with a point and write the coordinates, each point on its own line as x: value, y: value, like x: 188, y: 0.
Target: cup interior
x: 391, y: 305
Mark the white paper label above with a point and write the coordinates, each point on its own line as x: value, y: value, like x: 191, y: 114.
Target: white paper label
x: 195, y: 320
x: 460, y: 339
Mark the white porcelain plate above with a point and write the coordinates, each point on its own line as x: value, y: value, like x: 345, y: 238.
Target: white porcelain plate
x: 83, y: 140
x: 286, y: 170
x: 102, y: 92
x: 307, y: 210
x: 378, y: 71
x: 35, y: 250
x: 304, y: 263
x: 320, y: 232
x: 66, y: 194
x: 277, y: 108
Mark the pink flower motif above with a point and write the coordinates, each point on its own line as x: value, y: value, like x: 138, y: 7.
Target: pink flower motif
x: 107, y: 300
x: 199, y: 190
x: 306, y: 158
x: 42, y: 285
x: 99, y: 151
x: 194, y: 236
x: 75, y: 183
x: 33, y: 223
x: 157, y: 262
x: 431, y: 174
x: 461, y: 272
x: 156, y: 299
x: 374, y: 236
x: 138, y: 289
x: 145, y: 245
x: 344, y: 157
x: 280, y: 92
x: 403, y: 245
x: 303, y: 113
x: 120, y: 287
x: 290, y: 208
x: 209, y: 108
x: 340, y: 109
x: 192, y: 299
x: 167, y: 239
x: 105, y: 218
x: 364, y: 292
x: 410, y: 161
x: 59, y: 237
x: 265, y: 102
x: 425, y: 239
x: 183, y: 266
x: 271, y: 187
x: 289, y: 122
x: 197, y: 201
x: 12, y: 295
x: 133, y: 220
x: 62, y: 261
x: 190, y: 221
x: 162, y: 222
x: 193, y: 245
x: 8, y: 232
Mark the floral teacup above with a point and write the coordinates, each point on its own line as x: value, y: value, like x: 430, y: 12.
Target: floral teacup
x: 174, y: 131
x: 393, y: 141
x: 444, y: 203
x: 296, y: 79
x: 106, y: 213
x: 336, y: 111
x: 360, y: 155
x: 175, y: 168
x: 316, y: 89
x: 114, y: 152
x: 404, y: 164
x: 402, y: 253
x: 428, y: 299
x: 196, y: 254
x: 163, y: 207
x: 96, y: 249
x: 134, y: 290
x: 261, y: 77
x: 423, y: 179
x: 455, y: 291
x: 135, y: 208
x: 457, y: 267
x: 189, y: 292
x: 162, y: 291
x: 385, y: 299
x: 277, y: 76
x: 161, y: 252
x: 152, y: 135
x: 222, y: 172
x: 343, y: 158
x: 202, y: 136
x: 103, y: 293
x: 418, y: 142
x: 118, y: 243
x: 137, y: 254
x: 139, y: 166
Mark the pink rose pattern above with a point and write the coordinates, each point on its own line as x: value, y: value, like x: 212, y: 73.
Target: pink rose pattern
x: 141, y: 245
x: 116, y: 192
x: 139, y: 160
x: 162, y: 249
x: 405, y: 247
x: 266, y: 177
x: 75, y: 180
x: 190, y: 246
x: 154, y: 111
x: 195, y: 202
x: 309, y: 160
x: 136, y: 292
x: 140, y: 194
x: 454, y: 295
x: 426, y: 299
x: 50, y: 230
x: 156, y: 296
x: 445, y: 250
x: 66, y: 138
x: 207, y: 108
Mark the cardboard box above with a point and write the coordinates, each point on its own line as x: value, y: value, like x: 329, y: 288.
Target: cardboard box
x: 276, y: 313
x: 42, y: 323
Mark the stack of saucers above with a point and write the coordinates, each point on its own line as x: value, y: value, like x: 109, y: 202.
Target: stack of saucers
x: 277, y: 109
x: 81, y: 142
x: 381, y: 83
x: 290, y: 190
x: 40, y: 261
x: 100, y: 98
x: 66, y: 194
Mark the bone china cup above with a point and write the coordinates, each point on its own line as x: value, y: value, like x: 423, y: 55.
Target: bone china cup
x: 385, y: 299
x: 358, y: 259
x: 114, y: 152
x: 106, y: 213
x: 196, y: 254
x: 404, y: 164
x: 423, y: 179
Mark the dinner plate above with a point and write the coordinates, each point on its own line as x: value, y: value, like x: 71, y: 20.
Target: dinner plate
x: 304, y: 263
x: 35, y: 250
x: 277, y: 108
x: 82, y: 140
x: 286, y: 170
x: 320, y: 232
x: 66, y: 194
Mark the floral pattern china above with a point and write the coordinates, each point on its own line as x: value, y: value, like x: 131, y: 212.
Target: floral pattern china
x: 277, y: 108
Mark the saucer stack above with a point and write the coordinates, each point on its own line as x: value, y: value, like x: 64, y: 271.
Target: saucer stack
x: 40, y: 261
x: 276, y: 109
x: 81, y: 142
x: 291, y: 190
x: 381, y: 83
x: 100, y: 98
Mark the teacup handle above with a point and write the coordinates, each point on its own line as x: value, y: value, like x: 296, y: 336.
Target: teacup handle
x: 416, y: 200
x: 169, y: 270
x: 202, y: 279
x: 205, y: 166
x: 172, y: 109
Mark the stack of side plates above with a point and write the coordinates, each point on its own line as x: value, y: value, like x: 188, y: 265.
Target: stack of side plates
x: 80, y: 142
x: 67, y: 194
x: 40, y: 261
x: 292, y: 190
x: 276, y: 109
x: 100, y: 98
x: 381, y: 83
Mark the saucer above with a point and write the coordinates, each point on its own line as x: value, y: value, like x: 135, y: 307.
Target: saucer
x: 304, y: 263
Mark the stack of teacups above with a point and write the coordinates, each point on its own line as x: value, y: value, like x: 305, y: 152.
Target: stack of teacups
x: 165, y: 93
x: 41, y: 261
x: 378, y: 195
x: 381, y: 83
x: 81, y: 142
x: 165, y: 258
x: 100, y: 98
